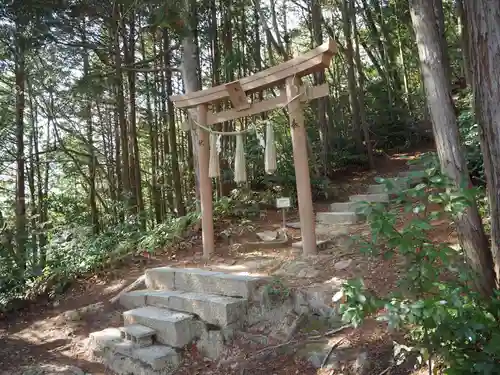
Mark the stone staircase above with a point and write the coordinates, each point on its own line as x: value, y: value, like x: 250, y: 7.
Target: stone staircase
x: 180, y: 307
x: 347, y: 212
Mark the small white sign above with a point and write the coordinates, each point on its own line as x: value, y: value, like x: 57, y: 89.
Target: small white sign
x: 283, y: 203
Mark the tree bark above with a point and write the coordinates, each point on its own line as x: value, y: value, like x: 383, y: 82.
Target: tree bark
x: 361, y: 94
x: 451, y: 155
x: 351, y: 76
x: 464, y: 41
x: 20, y: 161
x: 483, y: 23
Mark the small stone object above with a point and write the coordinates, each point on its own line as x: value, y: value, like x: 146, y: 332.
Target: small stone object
x: 294, y: 225
x: 267, y: 236
x: 343, y: 264
x: 308, y: 273
x: 72, y: 315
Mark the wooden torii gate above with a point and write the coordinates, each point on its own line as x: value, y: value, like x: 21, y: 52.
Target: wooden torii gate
x: 293, y: 95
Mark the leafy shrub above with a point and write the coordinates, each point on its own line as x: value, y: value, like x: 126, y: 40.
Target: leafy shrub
x: 444, y: 317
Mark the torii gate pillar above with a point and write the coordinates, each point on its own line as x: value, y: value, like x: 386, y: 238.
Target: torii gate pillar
x: 207, y: 221
x: 301, y: 162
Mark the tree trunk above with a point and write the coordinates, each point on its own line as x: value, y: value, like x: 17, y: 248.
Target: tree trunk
x: 94, y: 214
x: 319, y: 78
x: 127, y: 192
x: 439, y: 14
x: 189, y: 69
x: 464, y: 41
x: 351, y: 76
x: 20, y: 175
x: 172, y: 133
x: 451, y: 155
x: 483, y: 23
x: 361, y: 95
x: 136, y: 180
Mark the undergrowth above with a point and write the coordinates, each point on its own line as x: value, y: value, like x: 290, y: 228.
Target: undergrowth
x: 449, y: 325
x: 74, y: 251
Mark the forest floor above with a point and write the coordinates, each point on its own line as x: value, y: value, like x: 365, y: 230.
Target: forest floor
x: 44, y: 332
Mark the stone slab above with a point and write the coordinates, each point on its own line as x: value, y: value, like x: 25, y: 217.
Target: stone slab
x: 415, y: 167
x: 202, y: 281
x: 414, y: 176
x: 134, y: 299
x: 158, y: 356
x: 101, y: 341
x: 344, y: 206
x: 293, y: 225
x: 214, y: 309
x: 172, y: 328
x: 160, y: 278
x: 376, y: 189
x: 373, y: 198
x: 267, y: 235
x: 211, y: 344
x: 338, y: 217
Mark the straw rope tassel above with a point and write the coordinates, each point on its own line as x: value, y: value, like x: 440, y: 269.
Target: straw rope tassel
x: 213, y: 166
x: 270, y: 151
x: 240, y: 171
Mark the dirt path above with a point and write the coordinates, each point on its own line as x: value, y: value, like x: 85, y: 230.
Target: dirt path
x: 54, y: 332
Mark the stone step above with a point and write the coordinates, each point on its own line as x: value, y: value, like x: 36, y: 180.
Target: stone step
x: 397, y: 185
x: 138, y: 334
x: 376, y: 189
x: 320, y: 244
x: 344, y: 206
x: 214, y: 309
x: 415, y: 167
x: 207, y: 282
x: 172, y: 328
x: 413, y: 177
x: 122, y: 357
x: 338, y: 217
x: 372, y: 198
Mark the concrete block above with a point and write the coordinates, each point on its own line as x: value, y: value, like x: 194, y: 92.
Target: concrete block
x: 213, y: 309
x: 415, y: 167
x: 139, y: 335
x: 172, y: 328
x: 134, y: 299
x: 373, y: 198
x: 201, y: 281
x: 376, y: 189
x: 124, y: 358
x: 412, y: 176
x: 211, y: 344
x: 104, y: 340
x: 338, y: 217
x: 160, y: 278
x: 293, y: 225
x: 125, y: 365
x: 159, y: 357
x: 344, y: 206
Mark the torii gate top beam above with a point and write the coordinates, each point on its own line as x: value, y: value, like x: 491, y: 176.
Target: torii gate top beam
x: 313, y: 61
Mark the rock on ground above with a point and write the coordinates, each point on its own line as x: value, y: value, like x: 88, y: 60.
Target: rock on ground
x: 51, y: 369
